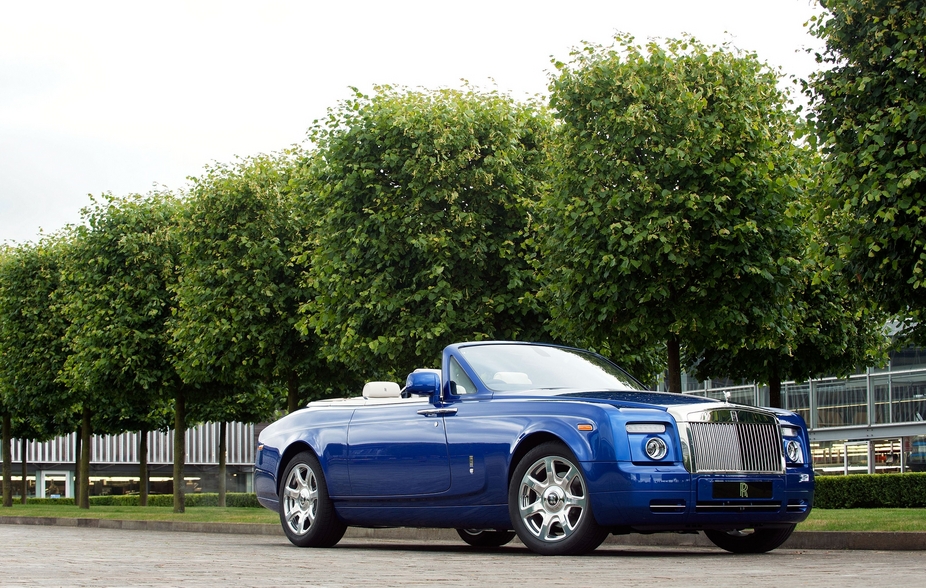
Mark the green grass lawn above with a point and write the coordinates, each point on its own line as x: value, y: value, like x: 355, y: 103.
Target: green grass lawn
x: 881, y: 519
x: 193, y: 514
x: 865, y: 519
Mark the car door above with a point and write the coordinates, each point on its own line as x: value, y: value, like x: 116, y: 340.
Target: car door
x: 398, y: 449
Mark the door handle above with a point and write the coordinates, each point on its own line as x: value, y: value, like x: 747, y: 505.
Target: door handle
x: 437, y: 411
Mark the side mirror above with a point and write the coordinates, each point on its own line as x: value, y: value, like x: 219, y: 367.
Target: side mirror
x: 422, y: 384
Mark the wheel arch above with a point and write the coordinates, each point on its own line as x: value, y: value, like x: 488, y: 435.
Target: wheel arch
x: 292, y: 450
x: 529, y: 442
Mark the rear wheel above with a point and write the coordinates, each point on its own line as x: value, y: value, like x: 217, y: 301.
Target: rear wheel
x: 549, y: 505
x: 750, y: 540
x: 306, y: 511
x: 485, y: 537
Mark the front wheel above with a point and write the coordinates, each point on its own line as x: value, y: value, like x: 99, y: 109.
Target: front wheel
x: 744, y: 541
x: 306, y: 511
x: 549, y: 505
x: 485, y: 537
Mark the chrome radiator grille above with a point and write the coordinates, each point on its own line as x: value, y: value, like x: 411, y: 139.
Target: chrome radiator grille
x: 750, y: 447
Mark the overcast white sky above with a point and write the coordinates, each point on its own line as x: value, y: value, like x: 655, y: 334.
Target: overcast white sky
x: 119, y: 96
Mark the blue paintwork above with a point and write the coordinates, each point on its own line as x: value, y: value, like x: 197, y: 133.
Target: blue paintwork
x: 387, y: 465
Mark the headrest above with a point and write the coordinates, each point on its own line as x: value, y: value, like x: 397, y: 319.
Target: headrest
x: 381, y: 390
x: 512, y: 377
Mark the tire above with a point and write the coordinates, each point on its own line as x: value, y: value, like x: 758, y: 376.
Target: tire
x: 306, y: 512
x: 549, y: 504
x: 758, y: 541
x: 485, y: 537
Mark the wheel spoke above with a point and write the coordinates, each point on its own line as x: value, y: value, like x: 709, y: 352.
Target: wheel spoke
x: 531, y: 509
x: 575, y: 501
x: 294, y: 519
x: 534, y: 484
x: 567, y: 480
x: 301, y: 476
x: 550, y: 468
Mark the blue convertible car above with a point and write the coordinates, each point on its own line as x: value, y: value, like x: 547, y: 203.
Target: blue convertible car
x: 555, y: 445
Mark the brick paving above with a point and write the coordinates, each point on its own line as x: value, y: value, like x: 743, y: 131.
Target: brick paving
x: 78, y: 556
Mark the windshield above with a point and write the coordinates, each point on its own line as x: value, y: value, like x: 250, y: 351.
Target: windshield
x: 506, y: 367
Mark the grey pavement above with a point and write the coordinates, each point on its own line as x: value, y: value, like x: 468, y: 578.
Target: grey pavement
x: 894, y: 541
x: 55, y: 555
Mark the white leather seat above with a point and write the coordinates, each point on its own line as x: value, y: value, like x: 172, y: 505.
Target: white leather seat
x: 381, y: 390
x: 512, y: 377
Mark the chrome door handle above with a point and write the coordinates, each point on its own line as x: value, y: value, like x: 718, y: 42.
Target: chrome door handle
x: 437, y: 411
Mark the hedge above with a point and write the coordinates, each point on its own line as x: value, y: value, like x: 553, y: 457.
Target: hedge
x: 871, y: 491
x: 232, y: 499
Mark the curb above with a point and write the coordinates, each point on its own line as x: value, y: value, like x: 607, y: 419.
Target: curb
x: 824, y: 540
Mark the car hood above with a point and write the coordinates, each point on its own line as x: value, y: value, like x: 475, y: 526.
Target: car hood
x: 638, y: 399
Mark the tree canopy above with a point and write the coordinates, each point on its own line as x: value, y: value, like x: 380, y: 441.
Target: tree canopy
x: 33, y: 346
x: 668, y: 220
x: 869, y: 111
x: 238, y: 294
x: 424, y: 203
x: 116, y: 303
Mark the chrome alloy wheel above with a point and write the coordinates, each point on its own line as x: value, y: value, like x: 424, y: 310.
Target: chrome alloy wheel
x: 300, y: 499
x: 552, y: 499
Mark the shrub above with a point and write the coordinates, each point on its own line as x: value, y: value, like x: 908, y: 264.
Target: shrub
x: 232, y: 499
x: 871, y: 491
x: 59, y: 501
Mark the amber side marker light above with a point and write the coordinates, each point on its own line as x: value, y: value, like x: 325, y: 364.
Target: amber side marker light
x: 586, y: 427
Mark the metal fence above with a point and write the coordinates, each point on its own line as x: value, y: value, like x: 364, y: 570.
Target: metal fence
x: 202, y: 445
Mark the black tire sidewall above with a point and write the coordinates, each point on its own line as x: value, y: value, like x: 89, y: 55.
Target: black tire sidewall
x: 486, y: 538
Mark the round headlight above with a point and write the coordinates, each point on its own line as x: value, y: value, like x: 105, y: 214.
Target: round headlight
x: 794, y: 451
x: 655, y: 448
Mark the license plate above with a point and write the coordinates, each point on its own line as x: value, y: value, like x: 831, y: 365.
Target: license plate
x: 743, y: 490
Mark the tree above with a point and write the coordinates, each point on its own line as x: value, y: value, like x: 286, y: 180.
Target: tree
x: 239, y: 294
x: 33, y: 348
x: 424, y: 204
x: 868, y: 109
x: 668, y: 223
x: 116, y: 300
x: 835, y: 329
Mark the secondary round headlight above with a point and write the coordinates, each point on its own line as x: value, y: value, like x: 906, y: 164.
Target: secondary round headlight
x: 794, y: 452
x: 655, y: 448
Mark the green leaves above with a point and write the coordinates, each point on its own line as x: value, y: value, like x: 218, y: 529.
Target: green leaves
x: 115, y: 299
x: 33, y: 347
x: 238, y: 291
x: 424, y: 203
x: 868, y: 106
x: 674, y: 169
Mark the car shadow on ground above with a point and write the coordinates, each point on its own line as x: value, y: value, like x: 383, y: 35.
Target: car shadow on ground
x: 383, y: 545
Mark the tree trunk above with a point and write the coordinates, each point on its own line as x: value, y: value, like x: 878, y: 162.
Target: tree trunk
x: 77, y: 448
x: 7, y: 461
x: 85, y: 448
x: 774, y: 390
x: 143, y: 468
x: 222, y: 460
x: 179, y: 449
x: 674, y: 376
x: 22, y: 458
x: 292, y: 392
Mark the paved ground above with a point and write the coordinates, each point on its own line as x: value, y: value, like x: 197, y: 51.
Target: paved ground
x: 73, y: 556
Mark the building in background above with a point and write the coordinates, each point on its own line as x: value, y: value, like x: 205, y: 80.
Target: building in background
x: 114, y: 463
x: 872, y: 422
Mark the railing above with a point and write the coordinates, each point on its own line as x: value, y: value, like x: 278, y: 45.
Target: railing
x: 202, y: 445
